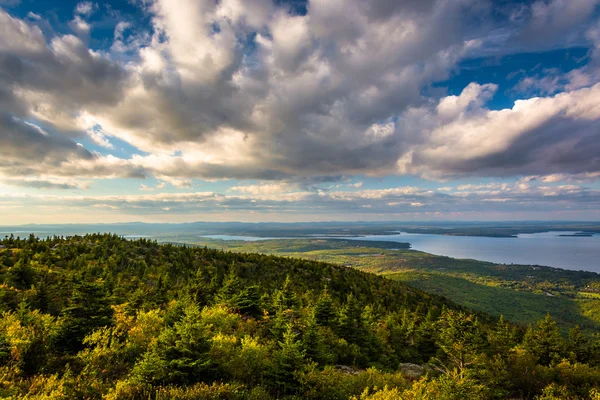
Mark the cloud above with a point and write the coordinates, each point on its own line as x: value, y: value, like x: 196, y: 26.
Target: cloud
x: 247, y: 90
x: 547, y: 20
x: 85, y: 8
x: 262, y: 189
x: 398, y: 202
x: 55, y: 156
x: 34, y: 16
x: 80, y: 26
x: 50, y: 183
x: 295, y: 105
x: 557, y: 134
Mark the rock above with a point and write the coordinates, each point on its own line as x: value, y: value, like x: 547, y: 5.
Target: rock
x: 412, y: 370
x: 347, y: 369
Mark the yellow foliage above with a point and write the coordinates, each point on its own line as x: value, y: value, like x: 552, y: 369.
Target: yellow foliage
x: 220, y: 319
x: 47, y: 387
x: 148, y: 325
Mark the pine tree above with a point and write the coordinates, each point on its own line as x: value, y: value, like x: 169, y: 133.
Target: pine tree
x: 88, y: 309
x: 350, y: 323
x: 249, y: 301
x: 41, y: 299
x: 324, y: 310
x: 286, y: 298
x: 461, y: 339
x: 503, y: 337
x: 578, y: 344
x: 21, y: 275
x: 545, y: 341
x: 313, y: 344
x: 181, y: 354
x: 232, y: 287
x: 236, y: 296
x: 288, y: 361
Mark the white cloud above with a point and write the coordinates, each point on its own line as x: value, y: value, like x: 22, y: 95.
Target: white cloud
x: 80, y: 26
x: 539, y: 135
x: 85, y: 8
x: 246, y: 90
x: 509, y: 199
x: 34, y: 16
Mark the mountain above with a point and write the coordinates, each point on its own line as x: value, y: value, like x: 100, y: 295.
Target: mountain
x: 98, y: 316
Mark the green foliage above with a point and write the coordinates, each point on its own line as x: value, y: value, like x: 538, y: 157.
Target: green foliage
x: 88, y: 309
x: 180, y: 355
x: 21, y: 275
x: 288, y: 362
x: 545, y: 342
x: 462, y: 341
x: 100, y: 317
x: 324, y: 311
x: 522, y: 293
x: 237, y: 296
x: 578, y: 344
x: 336, y: 384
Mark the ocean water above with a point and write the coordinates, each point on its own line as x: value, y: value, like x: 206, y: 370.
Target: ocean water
x: 548, y: 248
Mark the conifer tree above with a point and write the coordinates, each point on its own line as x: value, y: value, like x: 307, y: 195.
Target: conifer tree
x: 88, y: 309
x: 180, y: 355
x: 41, y: 299
x: 312, y: 342
x: 286, y: 298
x: 545, y: 341
x: 578, y: 344
x: 231, y: 289
x: 21, y: 275
x: 239, y: 298
x: 461, y: 339
x: 288, y: 361
x: 503, y: 336
x: 324, y: 311
x: 350, y: 323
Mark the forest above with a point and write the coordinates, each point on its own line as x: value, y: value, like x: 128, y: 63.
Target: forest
x: 523, y: 294
x: 102, y: 317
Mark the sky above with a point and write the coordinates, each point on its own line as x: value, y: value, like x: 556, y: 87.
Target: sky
x: 274, y: 110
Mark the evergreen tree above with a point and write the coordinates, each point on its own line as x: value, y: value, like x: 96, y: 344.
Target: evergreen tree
x: 249, y: 301
x: 503, y: 336
x: 312, y: 342
x: 88, y: 309
x: 231, y: 289
x: 41, y: 299
x: 578, y: 344
x: 286, y: 299
x: 545, y: 341
x: 180, y: 355
x: 21, y: 275
x: 238, y: 297
x: 461, y: 339
x: 401, y: 337
x: 288, y: 362
x: 350, y: 323
x: 324, y: 311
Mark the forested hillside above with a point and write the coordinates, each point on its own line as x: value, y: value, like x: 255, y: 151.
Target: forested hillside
x: 523, y: 294
x: 101, y: 317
